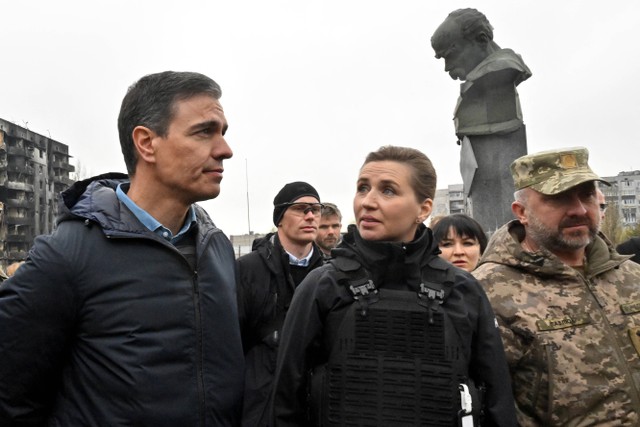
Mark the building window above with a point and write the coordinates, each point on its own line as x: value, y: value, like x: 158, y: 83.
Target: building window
x: 628, y: 200
x: 629, y: 216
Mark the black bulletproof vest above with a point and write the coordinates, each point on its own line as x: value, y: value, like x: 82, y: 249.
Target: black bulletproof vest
x: 397, y: 359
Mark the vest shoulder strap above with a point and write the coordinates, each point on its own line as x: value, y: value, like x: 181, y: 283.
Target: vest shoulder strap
x: 353, y: 275
x: 437, y: 282
x: 435, y: 287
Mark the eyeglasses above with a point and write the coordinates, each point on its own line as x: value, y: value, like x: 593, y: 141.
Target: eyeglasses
x: 603, y: 207
x: 300, y: 208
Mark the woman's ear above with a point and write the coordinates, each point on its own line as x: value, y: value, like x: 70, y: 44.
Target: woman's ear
x: 425, y: 209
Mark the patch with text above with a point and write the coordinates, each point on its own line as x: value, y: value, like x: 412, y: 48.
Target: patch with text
x: 563, y: 322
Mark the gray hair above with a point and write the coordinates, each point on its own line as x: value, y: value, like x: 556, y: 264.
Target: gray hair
x: 329, y: 209
x: 521, y: 196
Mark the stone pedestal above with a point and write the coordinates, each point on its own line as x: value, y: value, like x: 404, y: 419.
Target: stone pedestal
x: 491, y: 190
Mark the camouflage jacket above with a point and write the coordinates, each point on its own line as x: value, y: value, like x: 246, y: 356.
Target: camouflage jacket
x: 569, y: 336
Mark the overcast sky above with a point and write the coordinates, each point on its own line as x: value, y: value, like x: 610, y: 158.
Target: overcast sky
x: 310, y: 87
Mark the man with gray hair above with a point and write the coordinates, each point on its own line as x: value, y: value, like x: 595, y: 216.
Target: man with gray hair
x: 567, y: 304
x: 127, y: 314
x: 329, y: 229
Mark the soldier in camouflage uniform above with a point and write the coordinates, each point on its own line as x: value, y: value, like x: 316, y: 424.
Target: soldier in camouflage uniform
x: 567, y: 304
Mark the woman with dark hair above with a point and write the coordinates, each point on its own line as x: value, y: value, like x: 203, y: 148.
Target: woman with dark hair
x: 461, y: 240
x: 388, y: 333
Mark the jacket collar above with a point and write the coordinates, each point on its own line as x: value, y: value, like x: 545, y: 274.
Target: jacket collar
x: 95, y: 200
x: 390, y: 261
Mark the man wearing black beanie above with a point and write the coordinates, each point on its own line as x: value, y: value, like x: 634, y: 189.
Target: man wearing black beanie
x: 267, y: 278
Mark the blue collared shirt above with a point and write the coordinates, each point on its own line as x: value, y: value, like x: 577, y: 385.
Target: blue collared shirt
x: 301, y: 262
x: 150, y: 222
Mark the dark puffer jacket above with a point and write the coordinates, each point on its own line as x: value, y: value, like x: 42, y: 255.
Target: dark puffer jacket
x: 107, y: 324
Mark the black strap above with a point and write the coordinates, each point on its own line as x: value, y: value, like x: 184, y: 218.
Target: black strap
x: 437, y: 281
x: 358, y: 281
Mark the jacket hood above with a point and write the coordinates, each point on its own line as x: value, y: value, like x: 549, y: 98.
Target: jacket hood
x: 263, y: 242
x: 71, y: 196
x: 265, y: 248
x: 94, y: 199
x: 505, y: 248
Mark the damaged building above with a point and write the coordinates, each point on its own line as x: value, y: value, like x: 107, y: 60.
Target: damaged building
x: 34, y: 169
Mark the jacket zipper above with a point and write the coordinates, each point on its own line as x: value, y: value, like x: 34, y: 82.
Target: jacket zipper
x: 198, y: 320
x: 199, y: 362
x: 198, y: 325
x: 628, y: 375
x: 199, y: 341
x: 550, y: 391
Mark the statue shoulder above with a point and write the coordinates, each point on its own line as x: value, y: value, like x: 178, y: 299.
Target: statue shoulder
x: 503, y: 61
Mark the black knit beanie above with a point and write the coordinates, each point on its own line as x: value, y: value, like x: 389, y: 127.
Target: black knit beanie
x: 290, y: 193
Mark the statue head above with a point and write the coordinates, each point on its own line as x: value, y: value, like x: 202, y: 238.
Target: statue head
x: 464, y: 40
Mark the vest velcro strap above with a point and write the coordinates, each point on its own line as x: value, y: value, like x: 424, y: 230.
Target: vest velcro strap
x: 363, y: 289
x: 430, y: 293
x: 431, y: 297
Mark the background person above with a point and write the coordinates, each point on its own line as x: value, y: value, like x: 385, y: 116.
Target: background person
x: 630, y: 246
x: 126, y: 314
x: 267, y: 279
x: 461, y: 240
x: 329, y: 230
x: 566, y: 302
x: 383, y: 306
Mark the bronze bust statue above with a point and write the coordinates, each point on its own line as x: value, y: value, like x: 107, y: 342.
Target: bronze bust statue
x: 487, y: 118
x: 488, y: 102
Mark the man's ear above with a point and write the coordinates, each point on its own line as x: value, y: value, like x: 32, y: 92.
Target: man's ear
x: 518, y: 210
x: 143, y: 141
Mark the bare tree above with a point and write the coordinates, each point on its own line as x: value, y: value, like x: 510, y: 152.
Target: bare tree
x: 80, y: 173
x: 612, y: 225
x: 633, y: 231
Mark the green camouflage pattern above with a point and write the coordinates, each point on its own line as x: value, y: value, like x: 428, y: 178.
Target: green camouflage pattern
x: 566, y: 333
x: 552, y: 172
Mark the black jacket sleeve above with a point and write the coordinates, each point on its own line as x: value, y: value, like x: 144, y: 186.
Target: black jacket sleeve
x: 37, y: 311
x: 300, y: 345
